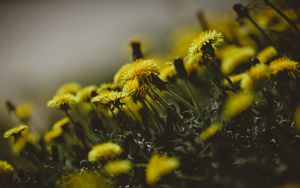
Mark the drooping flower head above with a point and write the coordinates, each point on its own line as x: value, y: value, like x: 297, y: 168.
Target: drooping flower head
x: 283, y: 64
x: 69, y: 88
x: 86, y: 93
x: 213, y: 38
x: 158, y: 166
x: 16, y: 132
x: 104, y: 151
x: 63, y: 101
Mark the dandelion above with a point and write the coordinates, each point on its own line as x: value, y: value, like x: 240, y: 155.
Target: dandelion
x: 104, y: 151
x: 247, y: 82
x: 133, y: 88
x: 142, y: 69
x: 167, y: 71
x: 107, y: 87
x: 16, y: 131
x: 108, y: 99
x: 22, y: 142
x: 158, y: 166
x: 68, y: 88
x: 283, y: 64
x: 63, y: 101
x: 210, y: 131
x: 86, y: 93
x: 118, y: 167
x: 266, y: 54
x: 259, y: 71
x: 23, y: 112
x: 235, y: 58
x: 237, y: 103
x: 61, y: 123
x: 53, y: 134
x: 5, y: 167
x: 214, y: 38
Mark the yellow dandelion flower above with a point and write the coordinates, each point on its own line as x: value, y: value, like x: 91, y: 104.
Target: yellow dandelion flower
x: 134, y: 88
x: 68, y: 88
x: 86, y: 179
x: 118, y: 78
x: 214, y: 38
x: 23, y: 111
x: 61, y: 123
x: 283, y: 64
x: 140, y: 69
x: 210, y: 131
x: 247, y: 82
x: 297, y: 118
x: 86, y: 93
x: 5, y: 167
x: 53, y: 134
x: 107, y: 87
x: 63, y: 101
x: 22, y: 142
x: 104, y: 151
x: 237, y: 103
x: 236, y: 57
x: 16, y: 131
x: 167, y: 71
x: 266, y: 54
x: 259, y: 71
x: 118, y: 167
x: 234, y: 78
x: 226, y: 51
x: 108, y: 98
x: 158, y: 166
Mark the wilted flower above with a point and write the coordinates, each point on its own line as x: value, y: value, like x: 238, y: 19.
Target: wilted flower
x: 158, y: 166
x: 104, y: 151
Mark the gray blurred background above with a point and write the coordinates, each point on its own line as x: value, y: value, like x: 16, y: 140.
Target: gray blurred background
x: 46, y: 43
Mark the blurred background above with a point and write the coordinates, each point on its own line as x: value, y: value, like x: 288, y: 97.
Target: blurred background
x: 47, y: 43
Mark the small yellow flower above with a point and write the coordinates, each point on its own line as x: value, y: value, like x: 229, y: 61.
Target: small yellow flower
x: 107, y: 87
x: 297, y: 118
x: 259, y: 71
x: 118, y: 167
x: 167, y: 71
x: 86, y: 93
x: 53, y: 134
x: 283, y: 64
x: 134, y: 88
x: 63, y: 101
x: 237, y: 103
x: 158, y: 166
x: 108, y: 99
x: 140, y: 69
x: 235, y: 58
x: 213, y: 38
x: 266, y: 54
x: 104, y: 151
x: 22, y: 142
x: 86, y: 179
x: 210, y: 131
x: 5, y: 167
x: 247, y: 82
x: 23, y: 111
x: 61, y: 123
x: 16, y: 131
x: 68, y: 88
